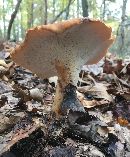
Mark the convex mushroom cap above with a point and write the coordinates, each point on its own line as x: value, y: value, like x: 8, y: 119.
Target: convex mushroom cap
x: 62, y: 48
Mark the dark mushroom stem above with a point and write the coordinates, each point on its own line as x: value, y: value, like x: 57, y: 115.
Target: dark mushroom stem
x: 66, y: 99
x: 70, y: 100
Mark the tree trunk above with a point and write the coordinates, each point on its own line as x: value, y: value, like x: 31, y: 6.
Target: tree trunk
x: 12, y: 18
x: 45, y: 12
x: 18, y: 29
x: 78, y: 8
x: 14, y: 31
x: 21, y: 24
x: 4, y: 18
x: 85, y: 8
x: 104, y: 9
x: 121, y: 33
x: 64, y: 10
x: 30, y: 14
x: 54, y: 9
x: 68, y: 9
x: 32, y: 7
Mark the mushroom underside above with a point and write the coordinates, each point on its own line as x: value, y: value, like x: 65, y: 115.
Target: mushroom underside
x: 61, y: 49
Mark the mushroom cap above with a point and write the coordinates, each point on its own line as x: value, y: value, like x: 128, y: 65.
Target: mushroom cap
x: 69, y: 44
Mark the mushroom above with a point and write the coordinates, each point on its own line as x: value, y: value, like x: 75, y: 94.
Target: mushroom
x: 61, y: 49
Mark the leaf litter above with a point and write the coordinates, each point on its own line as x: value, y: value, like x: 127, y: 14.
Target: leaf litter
x: 28, y: 128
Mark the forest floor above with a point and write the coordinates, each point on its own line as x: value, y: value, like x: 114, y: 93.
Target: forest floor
x: 29, y: 129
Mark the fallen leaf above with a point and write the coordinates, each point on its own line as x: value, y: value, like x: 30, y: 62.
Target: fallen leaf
x: 98, y: 91
x: 36, y: 94
x: 2, y: 63
x: 122, y: 122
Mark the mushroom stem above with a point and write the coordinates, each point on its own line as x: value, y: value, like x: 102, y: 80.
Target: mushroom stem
x: 66, y: 99
x: 56, y: 108
x: 70, y: 100
x: 64, y: 78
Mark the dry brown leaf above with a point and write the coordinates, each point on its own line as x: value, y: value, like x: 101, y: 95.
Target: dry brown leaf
x: 36, y: 94
x: 80, y: 96
x: 89, y: 104
x: 3, y: 70
x: 4, y: 78
x: 2, y: 63
x: 120, y: 81
x: 99, y: 90
x: 103, y: 131
x: 126, y: 96
x: 8, y: 122
x: 122, y: 122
